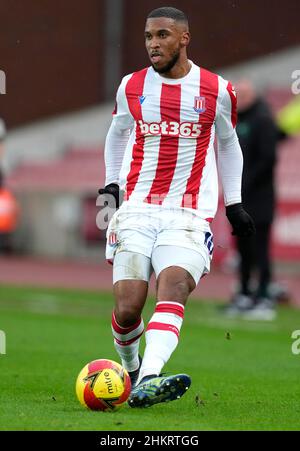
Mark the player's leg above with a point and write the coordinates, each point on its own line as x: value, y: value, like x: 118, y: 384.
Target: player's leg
x: 178, y: 271
x: 131, y: 273
x: 129, y: 247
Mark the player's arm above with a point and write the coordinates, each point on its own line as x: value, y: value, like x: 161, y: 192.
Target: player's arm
x: 116, y: 142
x: 230, y: 164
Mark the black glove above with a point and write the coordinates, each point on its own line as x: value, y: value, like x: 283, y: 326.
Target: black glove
x: 242, y: 223
x: 112, y: 189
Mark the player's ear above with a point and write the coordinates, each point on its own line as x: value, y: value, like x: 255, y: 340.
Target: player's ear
x: 185, y: 38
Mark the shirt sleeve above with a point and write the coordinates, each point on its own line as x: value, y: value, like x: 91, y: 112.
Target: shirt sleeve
x: 230, y: 165
x: 226, y: 116
x: 118, y: 135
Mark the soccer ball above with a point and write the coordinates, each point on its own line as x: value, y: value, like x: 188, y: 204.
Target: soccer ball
x: 103, y: 385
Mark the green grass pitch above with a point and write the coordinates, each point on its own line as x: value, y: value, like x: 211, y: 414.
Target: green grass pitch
x: 244, y: 374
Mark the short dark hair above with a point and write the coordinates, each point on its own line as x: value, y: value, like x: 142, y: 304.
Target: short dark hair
x: 169, y: 12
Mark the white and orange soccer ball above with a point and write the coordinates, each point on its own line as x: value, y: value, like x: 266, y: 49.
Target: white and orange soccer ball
x: 103, y: 385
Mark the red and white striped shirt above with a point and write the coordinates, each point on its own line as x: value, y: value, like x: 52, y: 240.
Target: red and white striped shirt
x: 165, y: 131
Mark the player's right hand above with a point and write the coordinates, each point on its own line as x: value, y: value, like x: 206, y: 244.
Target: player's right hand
x: 112, y: 189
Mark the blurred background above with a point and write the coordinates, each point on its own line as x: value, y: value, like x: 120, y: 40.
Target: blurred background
x: 61, y: 63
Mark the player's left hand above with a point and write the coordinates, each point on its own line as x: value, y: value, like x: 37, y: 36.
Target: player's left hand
x: 242, y: 223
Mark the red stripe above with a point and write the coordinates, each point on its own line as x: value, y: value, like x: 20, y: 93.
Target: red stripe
x: 123, y: 330
x: 162, y: 326
x: 168, y: 150
x: 170, y: 308
x: 233, y: 99
x: 91, y: 401
x: 134, y: 89
x: 99, y: 365
x: 209, y: 90
x: 128, y: 342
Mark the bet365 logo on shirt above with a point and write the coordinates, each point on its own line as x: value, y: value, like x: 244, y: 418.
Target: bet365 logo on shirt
x: 170, y: 128
x: 296, y: 344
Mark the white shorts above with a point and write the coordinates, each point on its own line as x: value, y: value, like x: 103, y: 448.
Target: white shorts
x: 134, y: 266
x: 141, y: 230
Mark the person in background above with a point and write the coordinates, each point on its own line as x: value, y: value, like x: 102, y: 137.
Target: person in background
x: 258, y: 136
x: 9, y: 213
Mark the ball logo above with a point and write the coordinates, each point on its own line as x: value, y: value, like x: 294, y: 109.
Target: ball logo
x: 108, y: 382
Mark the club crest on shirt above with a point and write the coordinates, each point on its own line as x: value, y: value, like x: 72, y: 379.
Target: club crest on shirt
x: 112, y: 239
x: 199, y: 104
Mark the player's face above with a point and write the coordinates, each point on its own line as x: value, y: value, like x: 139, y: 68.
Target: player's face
x: 165, y: 39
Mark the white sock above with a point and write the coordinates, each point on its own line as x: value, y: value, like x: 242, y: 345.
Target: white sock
x: 162, y: 336
x: 126, y: 341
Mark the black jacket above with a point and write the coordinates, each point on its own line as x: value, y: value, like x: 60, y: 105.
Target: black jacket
x: 258, y: 135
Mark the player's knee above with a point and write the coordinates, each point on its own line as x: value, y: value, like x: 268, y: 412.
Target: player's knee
x: 126, y: 315
x: 171, y: 286
x: 182, y: 288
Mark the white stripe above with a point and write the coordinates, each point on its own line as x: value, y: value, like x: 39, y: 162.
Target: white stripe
x: 167, y: 318
x: 150, y: 113
x: 125, y: 337
x: 170, y: 302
